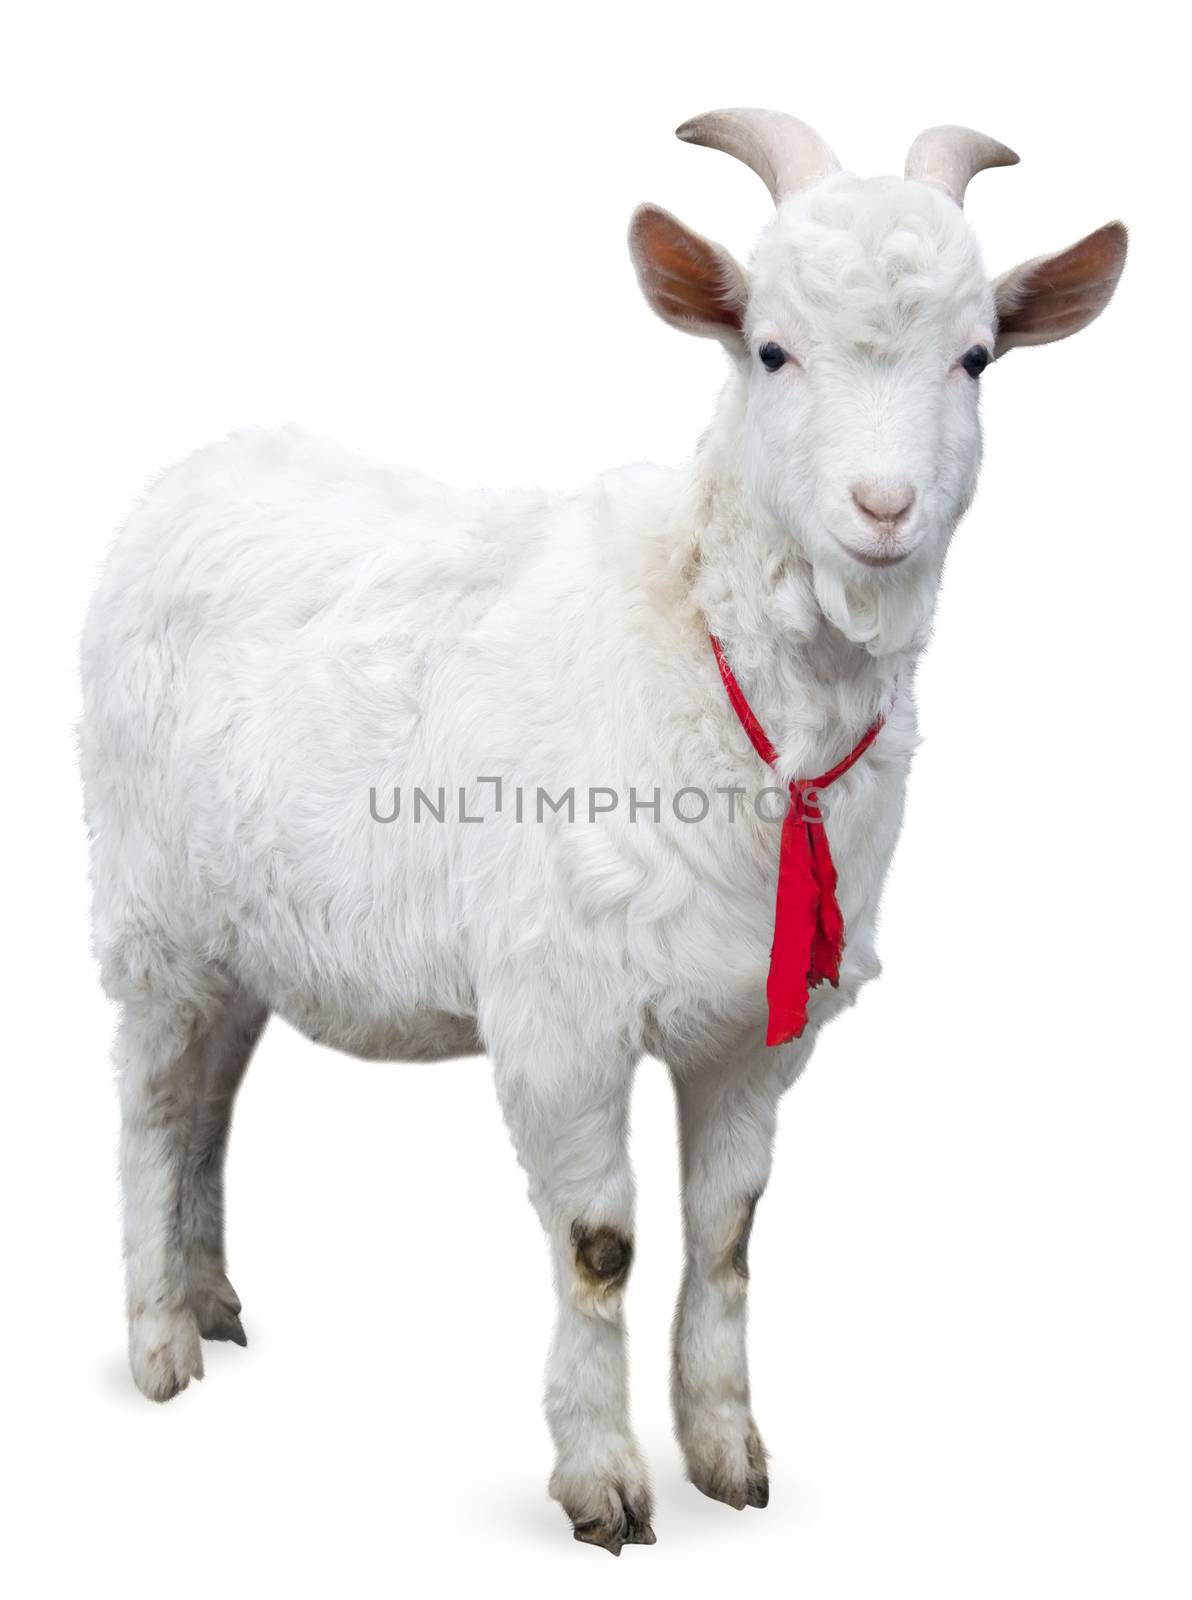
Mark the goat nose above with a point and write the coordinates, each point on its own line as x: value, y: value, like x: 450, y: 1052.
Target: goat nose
x: 885, y: 503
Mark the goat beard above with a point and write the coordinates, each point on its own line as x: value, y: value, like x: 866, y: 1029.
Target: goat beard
x: 885, y: 617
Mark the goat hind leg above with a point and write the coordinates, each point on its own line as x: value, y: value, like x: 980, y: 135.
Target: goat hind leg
x: 224, y: 1054
x: 159, y: 1064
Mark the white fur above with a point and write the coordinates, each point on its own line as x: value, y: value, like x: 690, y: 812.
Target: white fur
x: 282, y: 628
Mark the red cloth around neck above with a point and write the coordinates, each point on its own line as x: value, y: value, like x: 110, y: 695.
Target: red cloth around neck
x: 808, y: 927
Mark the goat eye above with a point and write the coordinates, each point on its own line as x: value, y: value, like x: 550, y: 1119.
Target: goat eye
x: 975, y: 361
x: 771, y: 356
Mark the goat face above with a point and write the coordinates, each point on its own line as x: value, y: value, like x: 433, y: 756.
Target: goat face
x: 868, y: 319
x: 858, y: 338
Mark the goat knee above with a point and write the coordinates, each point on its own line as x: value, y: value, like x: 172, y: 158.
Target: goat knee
x: 720, y: 1253
x: 601, y: 1258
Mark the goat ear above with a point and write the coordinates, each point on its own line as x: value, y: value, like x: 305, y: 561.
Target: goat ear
x: 1054, y: 296
x: 690, y: 282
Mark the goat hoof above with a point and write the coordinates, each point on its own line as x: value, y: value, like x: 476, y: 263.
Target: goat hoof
x: 226, y: 1326
x: 752, y: 1492
x: 731, y: 1471
x: 611, y: 1534
x: 216, y: 1306
x: 164, y: 1351
x: 759, y: 1492
x: 606, y: 1511
x: 640, y: 1531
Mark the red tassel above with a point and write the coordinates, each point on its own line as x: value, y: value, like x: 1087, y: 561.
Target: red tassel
x: 808, y: 926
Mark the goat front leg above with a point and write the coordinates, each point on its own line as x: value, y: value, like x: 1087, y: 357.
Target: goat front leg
x: 568, y: 1115
x: 727, y: 1113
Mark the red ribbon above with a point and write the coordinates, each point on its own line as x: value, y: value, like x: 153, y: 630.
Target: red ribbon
x: 808, y: 927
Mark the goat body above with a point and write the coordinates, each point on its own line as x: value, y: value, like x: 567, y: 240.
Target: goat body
x: 298, y: 629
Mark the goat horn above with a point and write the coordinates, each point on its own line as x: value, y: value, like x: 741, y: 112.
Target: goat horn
x: 949, y: 157
x: 785, y: 153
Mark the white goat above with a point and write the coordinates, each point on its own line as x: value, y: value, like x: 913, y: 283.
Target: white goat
x: 285, y: 635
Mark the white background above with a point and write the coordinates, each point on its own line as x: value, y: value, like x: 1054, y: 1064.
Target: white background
x: 970, y: 1310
